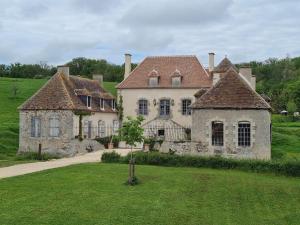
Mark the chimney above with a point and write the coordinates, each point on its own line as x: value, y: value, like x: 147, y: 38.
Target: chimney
x: 211, y: 61
x: 127, y: 65
x: 246, y: 72
x: 99, y: 78
x: 64, y: 70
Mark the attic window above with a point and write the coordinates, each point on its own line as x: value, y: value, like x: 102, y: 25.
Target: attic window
x: 101, y: 103
x: 176, y: 81
x: 153, y: 81
x: 89, y: 101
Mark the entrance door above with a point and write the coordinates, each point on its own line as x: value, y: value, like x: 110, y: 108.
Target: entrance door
x: 90, y: 129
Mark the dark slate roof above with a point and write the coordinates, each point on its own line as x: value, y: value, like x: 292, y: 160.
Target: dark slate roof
x: 62, y: 93
x: 225, y: 65
x: 188, y: 67
x: 231, y: 92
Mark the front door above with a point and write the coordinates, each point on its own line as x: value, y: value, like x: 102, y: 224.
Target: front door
x: 90, y: 129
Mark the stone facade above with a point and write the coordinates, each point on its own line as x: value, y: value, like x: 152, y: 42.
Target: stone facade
x: 260, y: 122
x: 65, y: 144
x: 153, y: 96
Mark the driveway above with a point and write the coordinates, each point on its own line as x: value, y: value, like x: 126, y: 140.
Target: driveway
x: 26, y: 168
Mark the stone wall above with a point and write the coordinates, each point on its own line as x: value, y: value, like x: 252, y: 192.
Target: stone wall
x: 131, y: 97
x: 260, y: 120
x: 63, y: 145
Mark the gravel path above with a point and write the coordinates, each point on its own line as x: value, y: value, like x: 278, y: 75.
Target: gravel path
x: 26, y: 168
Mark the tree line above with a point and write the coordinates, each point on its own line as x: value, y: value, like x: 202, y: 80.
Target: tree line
x: 277, y: 78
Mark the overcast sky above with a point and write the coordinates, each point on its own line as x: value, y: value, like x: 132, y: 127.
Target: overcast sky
x: 56, y: 31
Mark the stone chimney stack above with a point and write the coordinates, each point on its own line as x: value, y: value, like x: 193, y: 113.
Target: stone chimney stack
x: 246, y: 72
x: 64, y: 70
x: 99, y: 78
x: 127, y: 65
x: 211, y: 61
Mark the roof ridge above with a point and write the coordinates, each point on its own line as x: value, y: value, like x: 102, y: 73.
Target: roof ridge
x: 170, y: 56
x: 66, y: 90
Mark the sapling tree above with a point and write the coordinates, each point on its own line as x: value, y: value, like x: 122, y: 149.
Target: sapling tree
x: 132, y: 133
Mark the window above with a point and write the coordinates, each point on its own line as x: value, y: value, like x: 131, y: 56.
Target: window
x: 102, y: 103
x: 54, y: 126
x: 143, y: 107
x: 164, y: 107
x: 244, y: 134
x: 35, y: 126
x: 88, y: 101
x: 113, y: 104
x: 153, y: 81
x: 115, y: 126
x: 161, y: 133
x: 101, y: 128
x: 217, y: 131
x: 176, y: 81
x: 186, y: 109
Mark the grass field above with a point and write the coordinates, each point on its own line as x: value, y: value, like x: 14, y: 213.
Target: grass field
x: 9, y: 117
x: 285, y: 145
x: 96, y: 194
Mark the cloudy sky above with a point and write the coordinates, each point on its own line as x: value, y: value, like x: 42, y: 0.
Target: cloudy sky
x: 56, y: 31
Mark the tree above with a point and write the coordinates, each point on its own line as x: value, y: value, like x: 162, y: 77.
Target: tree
x: 132, y: 133
x: 291, y: 106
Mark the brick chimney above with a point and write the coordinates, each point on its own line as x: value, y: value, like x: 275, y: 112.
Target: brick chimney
x: 64, y: 70
x: 127, y: 65
x: 211, y: 61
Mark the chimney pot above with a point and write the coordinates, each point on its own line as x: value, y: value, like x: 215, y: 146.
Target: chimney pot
x: 127, y: 65
x: 64, y: 70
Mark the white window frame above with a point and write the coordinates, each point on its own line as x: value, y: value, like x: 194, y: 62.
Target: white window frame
x: 101, y: 129
x: 35, y: 131
x: 153, y: 81
x: 113, y: 104
x: 186, y: 109
x: 89, y: 101
x: 166, y: 106
x: 102, y: 103
x: 143, y: 107
x: 54, y: 126
x: 244, y: 137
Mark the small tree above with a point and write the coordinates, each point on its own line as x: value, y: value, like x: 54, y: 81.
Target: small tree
x: 291, y: 106
x: 132, y: 133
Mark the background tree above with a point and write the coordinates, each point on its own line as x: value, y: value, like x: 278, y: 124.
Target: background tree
x: 132, y: 133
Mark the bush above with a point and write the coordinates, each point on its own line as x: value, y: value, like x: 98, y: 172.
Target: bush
x: 106, y: 140
x: 35, y: 156
x: 110, y: 157
x: 289, y: 168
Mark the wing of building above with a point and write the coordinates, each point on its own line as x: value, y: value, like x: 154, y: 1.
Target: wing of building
x: 51, y: 117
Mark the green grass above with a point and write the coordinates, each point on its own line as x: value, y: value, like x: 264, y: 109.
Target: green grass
x: 96, y: 194
x: 9, y: 115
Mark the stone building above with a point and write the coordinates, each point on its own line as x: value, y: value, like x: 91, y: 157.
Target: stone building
x: 231, y: 119
x: 161, y: 89
x: 51, y: 117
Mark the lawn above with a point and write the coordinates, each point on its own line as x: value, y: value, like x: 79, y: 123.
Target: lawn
x: 9, y: 117
x: 96, y: 194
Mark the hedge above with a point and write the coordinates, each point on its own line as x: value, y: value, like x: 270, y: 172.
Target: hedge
x: 288, y: 168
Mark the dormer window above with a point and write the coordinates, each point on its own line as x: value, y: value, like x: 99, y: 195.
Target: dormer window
x: 176, y: 81
x: 89, y: 101
x: 101, y: 103
x: 176, y: 78
x: 113, y: 104
x: 153, y: 78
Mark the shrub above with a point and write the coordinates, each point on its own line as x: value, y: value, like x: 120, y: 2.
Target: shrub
x: 110, y: 157
x: 35, y: 156
x: 289, y: 168
x: 106, y: 140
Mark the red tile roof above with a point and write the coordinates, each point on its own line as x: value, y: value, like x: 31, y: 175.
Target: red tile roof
x: 231, y: 92
x: 60, y: 93
x: 192, y: 72
x: 225, y: 65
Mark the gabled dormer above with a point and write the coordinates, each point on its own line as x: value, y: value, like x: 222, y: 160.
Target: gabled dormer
x: 153, y: 78
x: 176, y: 78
